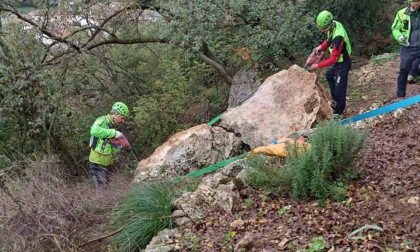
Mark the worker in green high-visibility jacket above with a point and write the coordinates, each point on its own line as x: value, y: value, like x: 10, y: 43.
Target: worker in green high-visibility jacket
x: 102, y: 152
x: 338, y: 44
x: 406, y: 30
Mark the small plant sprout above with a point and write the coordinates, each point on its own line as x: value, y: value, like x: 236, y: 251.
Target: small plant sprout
x: 408, y: 245
x: 284, y: 210
x: 229, y: 235
x: 195, y: 245
x: 247, y: 203
x: 263, y: 197
x: 260, y: 212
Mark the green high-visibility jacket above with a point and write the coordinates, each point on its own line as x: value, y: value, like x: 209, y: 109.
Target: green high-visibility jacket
x: 339, y: 31
x: 101, y: 150
x: 401, y: 25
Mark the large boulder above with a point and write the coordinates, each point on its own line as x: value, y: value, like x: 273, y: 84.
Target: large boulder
x: 290, y: 101
x: 188, y: 151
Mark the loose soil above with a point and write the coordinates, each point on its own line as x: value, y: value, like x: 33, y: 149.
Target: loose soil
x: 385, y: 195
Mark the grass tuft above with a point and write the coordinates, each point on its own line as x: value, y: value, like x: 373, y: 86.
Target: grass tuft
x: 144, y: 212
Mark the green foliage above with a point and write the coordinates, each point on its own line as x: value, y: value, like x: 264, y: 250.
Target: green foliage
x: 266, y: 173
x: 312, y: 174
x: 174, y: 100
x: 143, y: 213
x: 260, y: 212
x: 338, y: 191
x: 241, y: 33
x: 229, y: 235
x: 195, y: 243
x: 315, y: 173
x: 409, y: 245
x: 29, y: 96
x: 318, y: 245
x: 248, y: 202
x: 284, y: 210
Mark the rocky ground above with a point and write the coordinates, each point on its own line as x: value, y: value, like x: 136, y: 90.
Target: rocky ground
x: 385, y: 197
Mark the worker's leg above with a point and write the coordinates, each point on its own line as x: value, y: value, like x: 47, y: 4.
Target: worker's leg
x: 343, y: 69
x: 99, y: 176
x: 330, y: 76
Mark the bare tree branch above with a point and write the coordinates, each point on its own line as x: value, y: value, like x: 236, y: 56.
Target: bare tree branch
x: 219, y: 68
x: 127, y: 42
x: 106, y: 20
x: 91, y: 43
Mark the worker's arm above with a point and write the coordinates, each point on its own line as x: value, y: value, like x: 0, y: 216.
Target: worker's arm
x: 97, y: 131
x: 337, y: 48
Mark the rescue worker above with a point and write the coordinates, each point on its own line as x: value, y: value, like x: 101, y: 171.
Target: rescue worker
x: 102, y: 152
x: 338, y: 44
x: 406, y: 30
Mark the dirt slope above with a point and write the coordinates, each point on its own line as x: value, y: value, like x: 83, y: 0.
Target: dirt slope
x: 386, y: 195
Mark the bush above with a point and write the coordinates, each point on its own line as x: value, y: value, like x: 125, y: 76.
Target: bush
x: 316, y: 173
x: 144, y: 212
x: 313, y: 173
x: 266, y: 173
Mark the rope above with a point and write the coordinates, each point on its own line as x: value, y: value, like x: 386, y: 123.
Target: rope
x: 210, y: 168
x: 383, y: 57
x: 383, y: 110
x: 217, y: 118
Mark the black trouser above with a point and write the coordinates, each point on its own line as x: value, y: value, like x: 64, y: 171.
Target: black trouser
x: 337, y: 76
x: 100, y: 175
x: 407, y: 56
x: 414, y: 71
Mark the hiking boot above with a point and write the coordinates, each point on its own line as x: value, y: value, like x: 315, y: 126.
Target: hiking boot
x: 410, y: 79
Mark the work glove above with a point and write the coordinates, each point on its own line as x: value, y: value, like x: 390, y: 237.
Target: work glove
x: 403, y: 40
x: 118, y: 134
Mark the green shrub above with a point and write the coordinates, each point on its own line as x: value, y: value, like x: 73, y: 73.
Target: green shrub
x: 312, y: 174
x: 316, y: 173
x: 338, y: 191
x: 143, y: 213
x: 266, y: 173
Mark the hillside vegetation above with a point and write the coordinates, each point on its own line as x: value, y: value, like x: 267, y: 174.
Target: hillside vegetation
x: 174, y: 71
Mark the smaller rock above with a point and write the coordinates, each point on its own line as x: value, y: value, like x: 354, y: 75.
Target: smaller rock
x: 244, y: 243
x: 236, y: 224
x: 413, y: 200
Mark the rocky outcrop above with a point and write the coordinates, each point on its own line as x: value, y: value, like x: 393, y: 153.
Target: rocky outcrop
x: 215, y: 191
x: 289, y: 101
x: 188, y: 151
